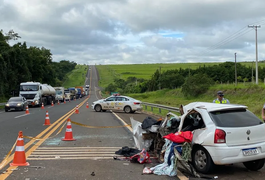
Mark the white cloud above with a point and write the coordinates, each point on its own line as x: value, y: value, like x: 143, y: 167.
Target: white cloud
x: 137, y: 31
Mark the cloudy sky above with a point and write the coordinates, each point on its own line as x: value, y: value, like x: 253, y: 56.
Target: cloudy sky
x: 139, y: 31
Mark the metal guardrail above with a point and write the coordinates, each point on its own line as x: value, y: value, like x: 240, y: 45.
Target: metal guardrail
x: 169, y: 108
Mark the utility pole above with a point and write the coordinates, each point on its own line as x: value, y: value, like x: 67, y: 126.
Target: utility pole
x: 160, y: 78
x: 256, y: 30
x: 235, y: 72
x: 252, y: 73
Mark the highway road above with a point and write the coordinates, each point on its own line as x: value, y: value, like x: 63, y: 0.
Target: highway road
x: 90, y: 156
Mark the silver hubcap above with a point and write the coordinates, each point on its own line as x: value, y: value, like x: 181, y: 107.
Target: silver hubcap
x: 200, y: 159
x: 127, y: 109
x: 98, y: 108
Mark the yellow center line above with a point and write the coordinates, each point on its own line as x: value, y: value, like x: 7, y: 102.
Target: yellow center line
x: 55, y: 126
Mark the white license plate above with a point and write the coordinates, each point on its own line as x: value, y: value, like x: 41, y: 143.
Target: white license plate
x: 249, y: 152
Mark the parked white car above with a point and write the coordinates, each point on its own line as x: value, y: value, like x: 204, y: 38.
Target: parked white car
x: 117, y: 102
x: 223, y: 134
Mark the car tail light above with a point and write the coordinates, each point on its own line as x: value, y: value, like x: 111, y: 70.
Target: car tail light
x: 219, y: 136
x: 136, y: 103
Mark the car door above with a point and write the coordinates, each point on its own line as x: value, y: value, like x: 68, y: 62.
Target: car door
x: 108, y: 104
x: 119, y: 103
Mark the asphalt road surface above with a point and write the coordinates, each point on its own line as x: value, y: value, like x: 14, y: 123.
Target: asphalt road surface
x: 90, y: 155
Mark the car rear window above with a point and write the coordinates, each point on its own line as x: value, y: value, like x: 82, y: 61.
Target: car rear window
x: 235, y: 118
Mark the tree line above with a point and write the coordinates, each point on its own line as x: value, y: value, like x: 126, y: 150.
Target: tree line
x: 192, y: 81
x: 19, y: 63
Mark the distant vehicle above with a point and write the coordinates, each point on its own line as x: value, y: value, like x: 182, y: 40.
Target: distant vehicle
x: 117, y: 102
x: 79, y: 93
x: 87, y: 87
x: 223, y: 134
x: 73, y: 93
x: 67, y: 96
x: 37, y: 93
x: 16, y: 103
x: 59, y: 94
x: 82, y: 91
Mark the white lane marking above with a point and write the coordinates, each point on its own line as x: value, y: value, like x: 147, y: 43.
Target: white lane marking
x: 52, y: 153
x: 21, y: 115
x: 128, y: 127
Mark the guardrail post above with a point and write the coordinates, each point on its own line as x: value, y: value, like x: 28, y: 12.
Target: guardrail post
x: 145, y: 107
x: 151, y: 108
x: 159, y: 110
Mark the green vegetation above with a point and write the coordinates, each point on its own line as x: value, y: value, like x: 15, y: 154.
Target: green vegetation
x: 249, y: 95
x: 245, y: 93
x: 109, y: 72
x: 19, y: 63
x: 76, y: 77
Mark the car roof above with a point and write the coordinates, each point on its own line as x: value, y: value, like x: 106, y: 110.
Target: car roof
x: 212, y: 106
x: 16, y: 98
x: 121, y: 96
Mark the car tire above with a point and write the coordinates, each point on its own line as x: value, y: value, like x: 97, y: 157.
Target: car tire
x: 127, y: 109
x: 98, y: 108
x: 202, y: 160
x: 6, y: 110
x: 254, y: 165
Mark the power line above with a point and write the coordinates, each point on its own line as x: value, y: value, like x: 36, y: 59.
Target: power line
x: 230, y: 38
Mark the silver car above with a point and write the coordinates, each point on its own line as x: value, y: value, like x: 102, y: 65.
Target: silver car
x: 16, y: 103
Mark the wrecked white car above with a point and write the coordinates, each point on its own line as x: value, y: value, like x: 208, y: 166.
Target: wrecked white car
x: 223, y: 134
x: 218, y: 134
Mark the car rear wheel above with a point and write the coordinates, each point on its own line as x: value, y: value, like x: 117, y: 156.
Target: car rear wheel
x: 6, y: 110
x: 254, y: 165
x: 202, y: 160
x: 127, y: 109
x: 98, y: 108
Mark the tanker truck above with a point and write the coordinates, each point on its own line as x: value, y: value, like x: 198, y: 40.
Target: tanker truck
x: 37, y: 93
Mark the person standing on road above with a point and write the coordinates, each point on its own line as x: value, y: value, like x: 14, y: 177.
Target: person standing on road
x: 220, y: 98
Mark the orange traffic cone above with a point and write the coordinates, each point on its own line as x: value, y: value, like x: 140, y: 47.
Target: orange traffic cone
x: 52, y: 103
x: 27, y: 110
x: 68, y: 133
x: 20, y: 156
x: 58, y: 102
x: 47, y: 119
x: 87, y: 106
x: 76, y: 110
x: 64, y: 101
x: 42, y: 106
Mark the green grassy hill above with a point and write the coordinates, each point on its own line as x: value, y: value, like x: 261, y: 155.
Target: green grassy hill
x: 77, y: 77
x: 251, y: 95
